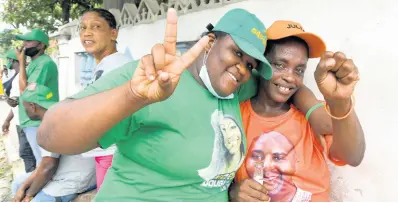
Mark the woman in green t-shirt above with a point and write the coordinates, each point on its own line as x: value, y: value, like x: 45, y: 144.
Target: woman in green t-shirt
x: 158, y: 111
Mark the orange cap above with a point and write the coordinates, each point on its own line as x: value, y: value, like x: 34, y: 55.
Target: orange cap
x: 281, y: 29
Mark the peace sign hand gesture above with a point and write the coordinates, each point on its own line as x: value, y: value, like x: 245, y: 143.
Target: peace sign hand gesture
x: 158, y: 73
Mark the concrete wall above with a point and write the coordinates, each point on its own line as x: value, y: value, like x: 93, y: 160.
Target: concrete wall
x: 363, y: 29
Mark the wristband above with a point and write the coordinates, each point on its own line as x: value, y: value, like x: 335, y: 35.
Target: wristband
x: 307, y: 116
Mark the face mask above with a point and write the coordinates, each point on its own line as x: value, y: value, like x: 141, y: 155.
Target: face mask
x: 204, y: 75
x: 32, y: 51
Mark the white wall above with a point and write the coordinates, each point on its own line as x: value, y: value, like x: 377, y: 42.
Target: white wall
x: 364, y: 29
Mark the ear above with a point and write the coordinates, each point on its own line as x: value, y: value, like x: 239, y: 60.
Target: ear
x: 33, y: 107
x: 114, y: 34
x: 212, y: 39
x: 42, y: 46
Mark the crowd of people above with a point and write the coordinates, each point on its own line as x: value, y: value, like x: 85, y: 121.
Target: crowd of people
x: 228, y: 120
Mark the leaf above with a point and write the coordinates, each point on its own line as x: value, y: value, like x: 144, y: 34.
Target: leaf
x: 43, y: 14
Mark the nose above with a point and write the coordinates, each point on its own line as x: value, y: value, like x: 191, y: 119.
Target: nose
x: 243, y: 71
x: 288, y: 75
x: 268, y: 163
x: 86, y: 32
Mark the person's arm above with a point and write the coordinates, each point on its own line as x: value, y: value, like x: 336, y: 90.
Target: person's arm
x: 6, y: 124
x: 21, y: 193
x: 10, y: 116
x: 43, y: 174
x: 304, y: 99
x: 336, y: 77
x: 86, y: 123
x: 348, y: 137
x: 23, y: 78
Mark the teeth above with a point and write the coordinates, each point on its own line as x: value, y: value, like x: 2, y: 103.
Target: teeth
x: 88, y: 42
x: 233, y: 77
x: 285, y: 89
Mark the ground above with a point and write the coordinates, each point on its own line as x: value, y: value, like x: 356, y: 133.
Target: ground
x: 10, y: 163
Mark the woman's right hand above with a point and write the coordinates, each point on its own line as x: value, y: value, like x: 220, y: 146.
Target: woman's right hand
x: 158, y: 73
x: 248, y: 190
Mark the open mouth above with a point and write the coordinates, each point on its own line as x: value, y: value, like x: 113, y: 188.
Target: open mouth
x: 275, y: 181
x: 283, y: 89
x: 233, y: 77
x: 88, y: 42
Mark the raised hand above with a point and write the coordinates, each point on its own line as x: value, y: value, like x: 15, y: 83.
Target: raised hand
x: 336, y: 76
x: 20, y: 54
x: 158, y: 73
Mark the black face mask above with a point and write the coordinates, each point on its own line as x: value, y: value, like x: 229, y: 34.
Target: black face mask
x: 32, y: 51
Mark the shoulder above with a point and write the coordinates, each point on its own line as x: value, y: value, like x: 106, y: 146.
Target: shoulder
x: 113, y: 61
x: 111, y: 80
x: 45, y: 61
x: 116, y: 59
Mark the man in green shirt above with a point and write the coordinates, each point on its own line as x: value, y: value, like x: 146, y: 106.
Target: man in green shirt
x: 41, y: 70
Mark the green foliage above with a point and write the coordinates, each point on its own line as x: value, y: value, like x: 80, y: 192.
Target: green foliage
x: 44, y: 14
x: 7, y: 40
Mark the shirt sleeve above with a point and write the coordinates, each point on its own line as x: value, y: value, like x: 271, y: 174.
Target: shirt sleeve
x: 45, y: 153
x: 115, y: 78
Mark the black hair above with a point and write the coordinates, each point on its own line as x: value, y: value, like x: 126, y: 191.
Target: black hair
x: 105, y: 14
x: 271, y: 44
x: 218, y: 34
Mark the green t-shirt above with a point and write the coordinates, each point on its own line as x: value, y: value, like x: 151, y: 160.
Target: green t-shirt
x: 186, y: 148
x: 43, y: 71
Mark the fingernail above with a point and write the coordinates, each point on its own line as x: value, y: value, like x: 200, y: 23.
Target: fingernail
x: 151, y: 77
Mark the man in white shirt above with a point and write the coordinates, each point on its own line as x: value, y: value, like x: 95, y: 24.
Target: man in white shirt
x: 58, y: 178
x: 25, y: 151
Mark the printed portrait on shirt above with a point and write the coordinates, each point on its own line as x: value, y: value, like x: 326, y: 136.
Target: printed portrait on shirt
x: 228, y: 149
x: 272, y: 161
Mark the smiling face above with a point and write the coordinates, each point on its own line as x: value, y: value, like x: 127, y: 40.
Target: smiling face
x: 228, y: 66
x: 231, y: 134
x: 277, y: 157
x: 289, y: 62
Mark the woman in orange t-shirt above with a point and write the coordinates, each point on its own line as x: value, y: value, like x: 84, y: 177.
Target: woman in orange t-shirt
x: 285, y: 160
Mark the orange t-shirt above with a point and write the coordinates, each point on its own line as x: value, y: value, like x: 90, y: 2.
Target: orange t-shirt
x: 284, y: 153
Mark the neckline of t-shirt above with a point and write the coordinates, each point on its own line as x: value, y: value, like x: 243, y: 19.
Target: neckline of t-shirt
x: 275, y: 118
x: 107, y: 57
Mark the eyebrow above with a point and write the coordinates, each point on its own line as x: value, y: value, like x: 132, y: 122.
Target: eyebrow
x: 256, y: 61
x: 286, y: 61
x: 279, y: 153
x: 258, y: 151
